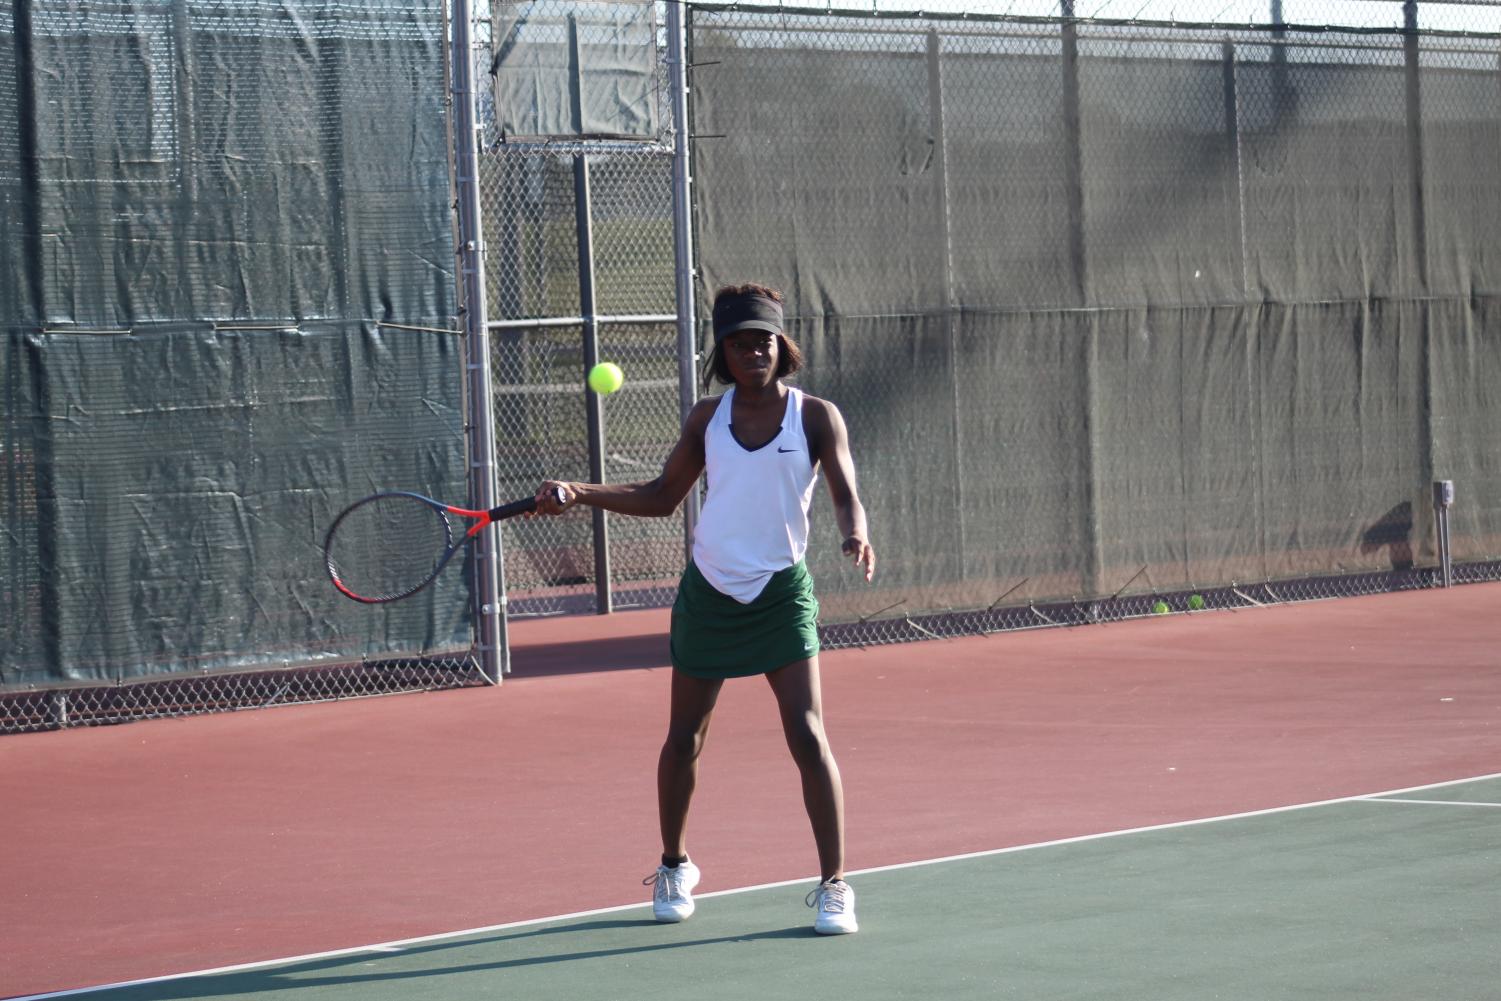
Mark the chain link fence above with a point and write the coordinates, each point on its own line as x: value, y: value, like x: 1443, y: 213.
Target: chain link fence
x: 537, y: 192
x: 1119, y: 313
x: 1187, y: 303
x: 102, y: 705
x: 1177, y: 174
x: 888, y: 625
x: 1474, y: 16
x: 226, y: 311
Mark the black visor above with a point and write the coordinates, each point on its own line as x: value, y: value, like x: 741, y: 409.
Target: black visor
x: 751, y: 311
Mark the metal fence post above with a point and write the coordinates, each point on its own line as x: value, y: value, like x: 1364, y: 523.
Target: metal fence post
x: 682, y: 240
x: 1414, y: 93
x: 946, y: 265
x: 583, y: 213
x: 1073, y: 148
x: 1073, y: 139
x: 489, y: 592
x: 594, y: 407
x: 1443, y: 499
x: 1232, y: 143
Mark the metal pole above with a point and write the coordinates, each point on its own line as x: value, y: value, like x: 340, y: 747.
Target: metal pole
x: 593, y: 406
x: 950, y: 298
x: 682, y: 233
x: 1443, y: 499
x: 625, y: 319
x: 1284, y: 98
x: 1232, y: 142
x: 1073, y: 139
x: 1073, y: 149
x: 489, y: 592
x: 583, y: 209
x: 1413, y: 77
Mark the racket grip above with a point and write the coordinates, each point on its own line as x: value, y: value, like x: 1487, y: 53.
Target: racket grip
x: 525, y: 505
x: 515, y: 507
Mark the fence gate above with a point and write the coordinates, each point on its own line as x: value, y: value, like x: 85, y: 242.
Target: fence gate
x: 577, y: 191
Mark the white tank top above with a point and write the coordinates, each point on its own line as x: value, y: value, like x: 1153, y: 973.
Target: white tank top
x: 754, y: 520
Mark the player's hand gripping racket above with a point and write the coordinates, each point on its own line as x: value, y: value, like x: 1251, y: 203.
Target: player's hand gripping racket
x: 392, y: 545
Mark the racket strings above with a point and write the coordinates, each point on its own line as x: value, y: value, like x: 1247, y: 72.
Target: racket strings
x: 388, y: 546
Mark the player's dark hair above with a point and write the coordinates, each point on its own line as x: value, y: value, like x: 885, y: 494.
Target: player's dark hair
x: 789, y: 356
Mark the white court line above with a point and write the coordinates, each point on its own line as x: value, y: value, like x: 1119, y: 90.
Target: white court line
x: 400, y: 944
x: 1431, y: 802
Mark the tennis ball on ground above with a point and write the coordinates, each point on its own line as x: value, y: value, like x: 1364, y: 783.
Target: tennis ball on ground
x: 605, y: 378
x: 1159, y: 608
x: 1195, y: 602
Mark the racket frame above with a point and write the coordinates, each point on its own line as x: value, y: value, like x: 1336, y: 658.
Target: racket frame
x: 480, y: 519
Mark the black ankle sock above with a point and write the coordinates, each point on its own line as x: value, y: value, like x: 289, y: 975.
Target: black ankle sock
x: 673, y: 861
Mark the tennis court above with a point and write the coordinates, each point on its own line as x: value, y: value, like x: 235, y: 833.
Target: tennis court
x: 1129, y: 309
x: 1285, y: 802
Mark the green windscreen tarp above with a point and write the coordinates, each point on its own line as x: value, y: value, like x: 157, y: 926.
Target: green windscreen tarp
x: 166, y: 495
x: 226, y: 304
x: 571, y: 68
x: 1111, y: 309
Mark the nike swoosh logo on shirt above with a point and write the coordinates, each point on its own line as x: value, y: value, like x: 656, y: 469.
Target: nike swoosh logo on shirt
x: 781, y: 449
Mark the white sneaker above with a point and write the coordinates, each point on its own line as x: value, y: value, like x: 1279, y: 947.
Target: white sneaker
x: 835, y: 901
x: 672, y: 891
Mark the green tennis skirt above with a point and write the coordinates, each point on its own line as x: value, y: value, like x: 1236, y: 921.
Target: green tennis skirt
x: 715, y: 636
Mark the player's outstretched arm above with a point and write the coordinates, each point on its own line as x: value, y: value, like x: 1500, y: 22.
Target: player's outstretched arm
x: 832, y: 447
x: 656, y: 498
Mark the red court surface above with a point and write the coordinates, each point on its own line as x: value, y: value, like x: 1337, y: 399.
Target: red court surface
x: 174, y: 845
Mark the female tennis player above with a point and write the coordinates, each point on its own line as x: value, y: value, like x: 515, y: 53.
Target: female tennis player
x: 745, y: 604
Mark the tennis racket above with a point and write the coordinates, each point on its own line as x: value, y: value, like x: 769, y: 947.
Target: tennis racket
x: 389, y: 546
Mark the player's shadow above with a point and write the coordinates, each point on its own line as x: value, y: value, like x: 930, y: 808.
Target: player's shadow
x: 588, y: 655
x: 1392, y: 531
x: 304, y: 976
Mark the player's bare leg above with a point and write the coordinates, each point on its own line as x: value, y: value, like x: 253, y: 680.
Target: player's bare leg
x: 693, y: 702
x: 677, y: 774
x: 801, y: 705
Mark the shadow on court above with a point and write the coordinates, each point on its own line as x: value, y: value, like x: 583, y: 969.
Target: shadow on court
x: 575, y: 645
x: 1005, y: 741
x: 1385, y: 898
x: 374, y: 967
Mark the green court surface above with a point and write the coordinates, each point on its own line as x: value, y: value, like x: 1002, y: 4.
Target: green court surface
x: 1387, y: 897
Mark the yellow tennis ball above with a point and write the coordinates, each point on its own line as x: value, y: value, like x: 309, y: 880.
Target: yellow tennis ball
x: 605, y: 378
x: 1160, y: 608
x: 1195, y: 602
